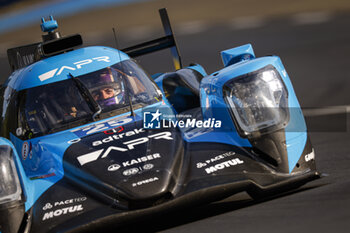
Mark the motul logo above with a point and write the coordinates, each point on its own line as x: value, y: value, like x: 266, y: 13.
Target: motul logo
x: 63, y: 211
x: 223, y: 165
x: 76, y: 66
x: 130, y: 145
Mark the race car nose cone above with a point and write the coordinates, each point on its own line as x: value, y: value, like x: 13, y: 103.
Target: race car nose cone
x: 135, y: 165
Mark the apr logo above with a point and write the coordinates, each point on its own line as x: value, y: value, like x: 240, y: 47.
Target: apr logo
x: 129, y: 145
x: 76, y: 66
x: 151, y: 120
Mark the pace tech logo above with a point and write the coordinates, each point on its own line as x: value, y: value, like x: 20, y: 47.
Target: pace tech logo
x: 152, y: 120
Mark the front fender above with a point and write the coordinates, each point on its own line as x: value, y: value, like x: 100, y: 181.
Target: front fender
x: 12, y: 191
x: 291, y: 140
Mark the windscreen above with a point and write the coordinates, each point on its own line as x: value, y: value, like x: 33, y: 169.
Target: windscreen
x: 63, y: 105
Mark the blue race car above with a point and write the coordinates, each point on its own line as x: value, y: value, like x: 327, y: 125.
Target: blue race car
x: 90, y: 141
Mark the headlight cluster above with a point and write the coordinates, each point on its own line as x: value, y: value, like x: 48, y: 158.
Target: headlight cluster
x: 10, y: 187
x: 258, y: 102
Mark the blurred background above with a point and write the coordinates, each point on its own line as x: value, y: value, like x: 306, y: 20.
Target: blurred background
x: 312, y: 37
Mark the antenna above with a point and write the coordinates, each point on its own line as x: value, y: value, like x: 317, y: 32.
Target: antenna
x: 116, y: 41
x: 120, y: 58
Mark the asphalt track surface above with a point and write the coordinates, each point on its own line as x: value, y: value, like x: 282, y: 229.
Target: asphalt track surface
x: 316, y: 57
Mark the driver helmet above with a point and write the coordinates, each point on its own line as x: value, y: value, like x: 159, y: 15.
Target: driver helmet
x: 109, y: 88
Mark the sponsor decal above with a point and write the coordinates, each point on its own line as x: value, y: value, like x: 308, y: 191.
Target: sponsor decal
x: 310, y: 156
x: 48, y: 206
x: 223, y: 165
x: 214, y: 159
x: 75, y: 66
x: 130, y: 145
x: 148, y: 166
x: 113, y: 167
x: 25, y: 150
x: 142, y: 182
x: 131, y: 171
x: 63, y: 211
x: 113, y: 131
x: 64, y: 202
x: 74, y: 207
x: 135, y: 170
x: 141, y: 159
x: 101, y: 127
x: 118, y: 136
x: 70, y: 201
x: 151, y: 120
